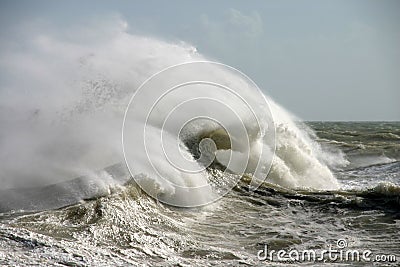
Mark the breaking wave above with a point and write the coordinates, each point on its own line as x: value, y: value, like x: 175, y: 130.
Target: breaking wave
x: 63, y: 120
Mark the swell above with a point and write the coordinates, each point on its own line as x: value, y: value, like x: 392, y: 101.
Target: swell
x: 66, y: 193
x: 382, y: 197
x: 367, y: 133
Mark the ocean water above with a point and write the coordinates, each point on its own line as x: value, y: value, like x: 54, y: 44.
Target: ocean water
x: 123, y: 226
x: 67, y: 197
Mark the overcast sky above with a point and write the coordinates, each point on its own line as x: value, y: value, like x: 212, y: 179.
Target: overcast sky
x: 322, y: 60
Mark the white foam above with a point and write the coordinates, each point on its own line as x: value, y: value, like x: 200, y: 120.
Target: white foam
x: 64, y: 117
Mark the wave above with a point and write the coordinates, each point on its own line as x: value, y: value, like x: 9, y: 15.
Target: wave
x: 367, y: 161
x: 384, y: 196
x: 69, y: 123
x: 97, y: 184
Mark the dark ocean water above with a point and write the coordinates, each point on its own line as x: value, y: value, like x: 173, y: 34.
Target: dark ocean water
x: 122, y: 226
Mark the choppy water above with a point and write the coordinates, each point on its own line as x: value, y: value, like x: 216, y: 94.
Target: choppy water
x: 123, y: 226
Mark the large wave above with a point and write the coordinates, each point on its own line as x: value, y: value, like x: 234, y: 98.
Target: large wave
x: 62, y: 102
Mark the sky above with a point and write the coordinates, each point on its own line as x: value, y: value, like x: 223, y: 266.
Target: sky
x: 322, y: 60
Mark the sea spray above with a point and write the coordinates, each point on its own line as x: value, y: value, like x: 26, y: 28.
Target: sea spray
x: 64, y: 118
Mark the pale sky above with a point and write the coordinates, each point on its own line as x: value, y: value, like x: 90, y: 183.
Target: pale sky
x: 322, y: 60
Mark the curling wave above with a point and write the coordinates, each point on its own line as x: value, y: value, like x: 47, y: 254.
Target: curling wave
x: 79, y: 90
